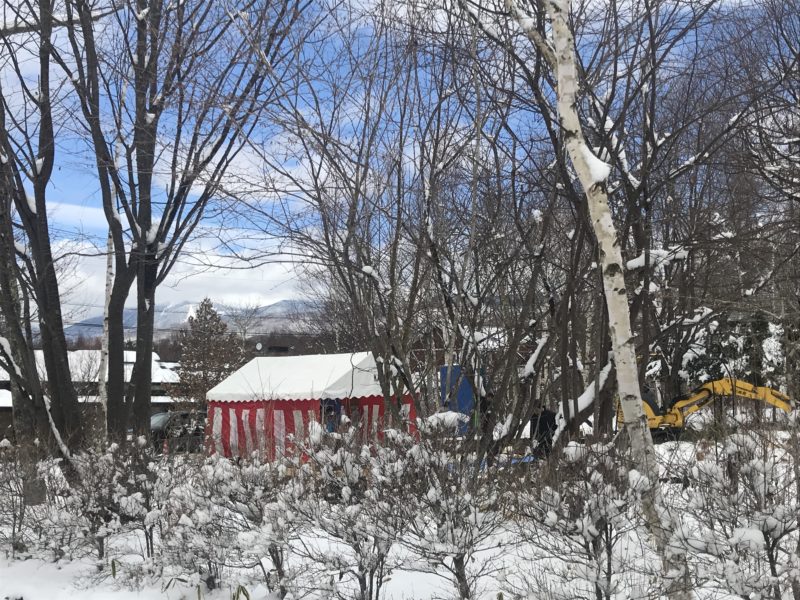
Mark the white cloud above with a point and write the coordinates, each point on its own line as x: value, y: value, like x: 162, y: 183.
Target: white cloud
x: 192, y: 279
x: 67, y: 217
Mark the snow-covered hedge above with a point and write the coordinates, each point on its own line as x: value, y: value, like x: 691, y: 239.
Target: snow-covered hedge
x: 349, y: 520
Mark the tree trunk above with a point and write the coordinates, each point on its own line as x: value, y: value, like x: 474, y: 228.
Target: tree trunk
x: 592, y: 174
x: 460, y: 572
x: 117, y: 415
x: 27, y: 401
x: 102, y: 390
x: 142, y: 376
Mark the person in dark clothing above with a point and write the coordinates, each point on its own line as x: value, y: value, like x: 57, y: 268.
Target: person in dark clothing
x: 543, y: 428
x: 485, y: 409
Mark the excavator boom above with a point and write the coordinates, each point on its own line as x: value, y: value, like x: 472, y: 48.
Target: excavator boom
x: 705, y: 394
x: 674, y: 417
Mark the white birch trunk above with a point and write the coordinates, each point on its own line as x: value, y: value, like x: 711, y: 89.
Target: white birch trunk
x: 102, y: 390
x: 592, y: 173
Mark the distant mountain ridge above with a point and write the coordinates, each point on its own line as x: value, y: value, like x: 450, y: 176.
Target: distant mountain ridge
x: 285, y: 315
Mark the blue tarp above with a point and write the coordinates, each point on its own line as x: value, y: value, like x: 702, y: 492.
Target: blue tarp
x: 457, y: 393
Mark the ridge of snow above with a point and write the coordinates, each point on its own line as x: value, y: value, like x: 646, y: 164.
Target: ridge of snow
x: 598, y: 169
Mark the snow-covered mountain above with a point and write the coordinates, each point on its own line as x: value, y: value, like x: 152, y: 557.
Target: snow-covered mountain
x: 286, y: 315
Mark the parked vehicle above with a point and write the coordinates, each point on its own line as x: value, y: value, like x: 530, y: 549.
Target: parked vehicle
x: 178, y: 431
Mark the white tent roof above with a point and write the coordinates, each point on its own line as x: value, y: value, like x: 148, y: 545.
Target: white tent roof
x: 318, y: 376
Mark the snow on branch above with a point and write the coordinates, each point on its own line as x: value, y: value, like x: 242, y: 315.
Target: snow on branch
x: 7, y: 357
x: 585, y: 400
x: 371, y: 272
x: 528, y: 26
x: 531, y: 364
x: 658, y: 257
x: 598, y: 169
x: 56, y: 434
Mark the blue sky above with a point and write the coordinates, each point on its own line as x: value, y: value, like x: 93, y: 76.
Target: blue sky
x: 79, y: 229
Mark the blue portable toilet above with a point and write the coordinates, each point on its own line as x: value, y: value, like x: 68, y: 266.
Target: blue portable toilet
x: 458, y: 394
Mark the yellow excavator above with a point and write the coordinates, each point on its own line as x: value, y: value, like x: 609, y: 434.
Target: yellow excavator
x: 673, y: 418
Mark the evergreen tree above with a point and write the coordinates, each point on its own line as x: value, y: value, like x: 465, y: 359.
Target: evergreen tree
x: 209, y: 353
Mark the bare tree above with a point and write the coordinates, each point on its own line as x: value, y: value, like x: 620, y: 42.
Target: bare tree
x: 181, y: 86
x: 27, y: 149
x: 244, y: 318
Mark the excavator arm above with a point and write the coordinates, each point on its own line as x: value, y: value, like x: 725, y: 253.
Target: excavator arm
x: 705, y: 394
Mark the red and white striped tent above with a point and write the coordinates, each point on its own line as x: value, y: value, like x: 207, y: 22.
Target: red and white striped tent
x: 270, y: 402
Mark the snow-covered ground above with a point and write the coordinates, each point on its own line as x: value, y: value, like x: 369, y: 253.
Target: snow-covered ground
x: 403, y: 515
x: 36, y: 579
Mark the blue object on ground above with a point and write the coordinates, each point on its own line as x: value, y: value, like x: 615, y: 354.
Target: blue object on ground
x: 457, y: 393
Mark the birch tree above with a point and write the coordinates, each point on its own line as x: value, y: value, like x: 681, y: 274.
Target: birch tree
x: 559, y: 57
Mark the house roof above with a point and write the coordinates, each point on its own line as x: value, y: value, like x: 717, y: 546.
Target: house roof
x: 85, y: 367
x: 156, y: 400
x: 318, y: 376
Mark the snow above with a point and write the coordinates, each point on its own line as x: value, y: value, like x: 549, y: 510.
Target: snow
x: 34, y: 579
x: 502, y: 429
x: 337, y: 514
x: 527, y: 23
x: 531, y: 364
x: 152, y: 233
x: 573, y: 452
x: 598, y: 170
x: 371, y: 272
x: 5, y: 398
x: 54, y: 430
x: 637, y: 481
x: 84, y: 366
x: 445, y: 420
x: 584, y: 401
x: 8, y: 357
x: 301, y: 378
x: 751, y: 539
x: 658, y: 257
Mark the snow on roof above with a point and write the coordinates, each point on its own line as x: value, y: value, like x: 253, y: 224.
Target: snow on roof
x: 5, y: 399
x: 300, y: 378
x: 85, y: 366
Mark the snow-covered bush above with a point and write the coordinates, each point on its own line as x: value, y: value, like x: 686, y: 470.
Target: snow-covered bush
x: 13, y: 515
x: 79, y: 514
x: 95, y: 494
x: 224, y: 514
x: 347, y: 503
x: 740, y: 522
x: 581, y: 530
x: 454, y: 508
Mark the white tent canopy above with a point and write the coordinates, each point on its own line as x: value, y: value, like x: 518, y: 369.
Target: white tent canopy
x: 318, y: 376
